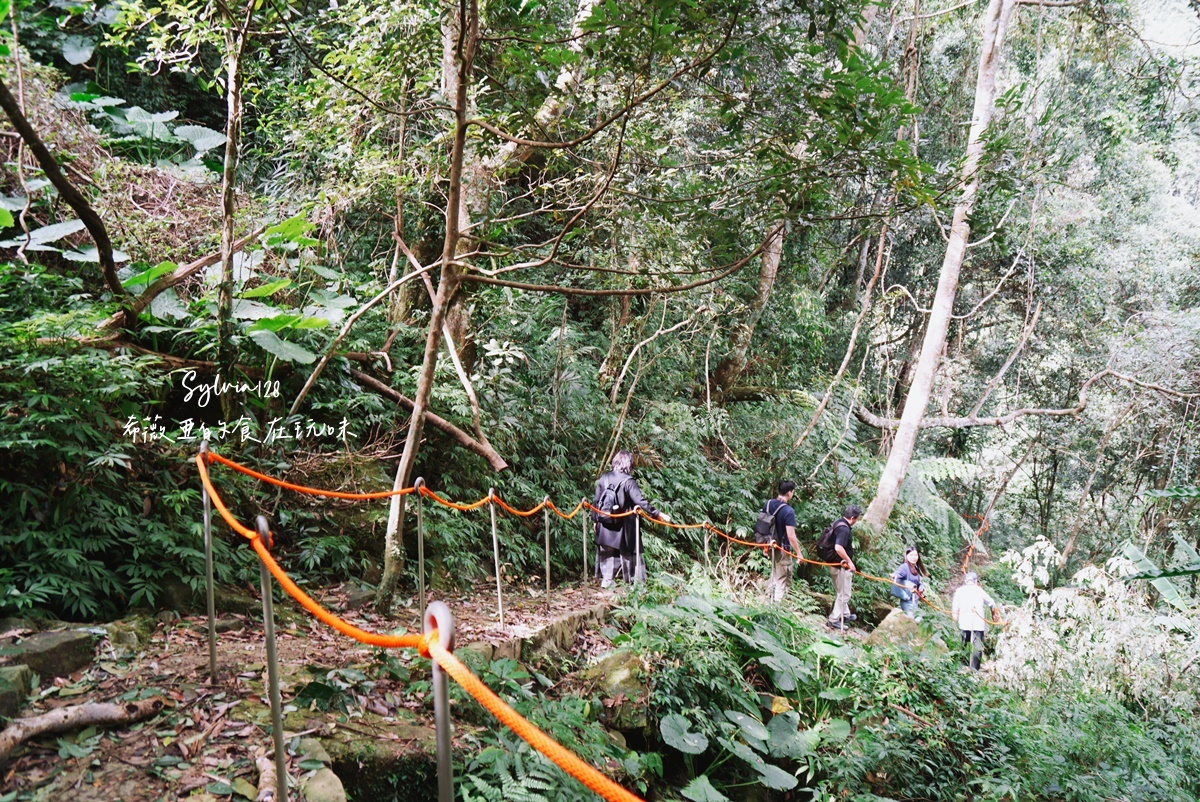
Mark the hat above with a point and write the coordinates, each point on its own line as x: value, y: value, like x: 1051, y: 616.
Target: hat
x: 971, y: 577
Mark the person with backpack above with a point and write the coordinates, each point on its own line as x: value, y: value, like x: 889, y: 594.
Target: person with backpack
x: 617, y: 545
x: 967, y: 609
x: 907, y: 585
x: 777, y: 524
x: 836, y: 546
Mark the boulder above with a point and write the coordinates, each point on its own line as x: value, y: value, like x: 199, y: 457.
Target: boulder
x: 870, y: 613
x: 619, y: 678
x: 898, y: 629
x: 311, y: 749
x: 51, y: 654
x: 15, y: 684
x: 357, y: 596
x: 17, y: 626
x: 323, y: 786
x: 128, y: 637
x: 231, y: 600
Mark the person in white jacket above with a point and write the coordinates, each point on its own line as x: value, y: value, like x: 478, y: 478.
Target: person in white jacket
x: 970, y: 602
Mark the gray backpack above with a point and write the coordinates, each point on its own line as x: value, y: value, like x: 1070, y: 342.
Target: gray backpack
x: 764, y: 527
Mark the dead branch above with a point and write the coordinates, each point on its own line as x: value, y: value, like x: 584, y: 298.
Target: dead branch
x: 991, y: 385
x: 484, y: 450
x: 65, y: 719
x: 948, y: 422
x: 729, y: 271
x: 266, y: 779
x: 329, y: 352
x: 175, y: 277
x: 67, y: 190
x: 661, y: 331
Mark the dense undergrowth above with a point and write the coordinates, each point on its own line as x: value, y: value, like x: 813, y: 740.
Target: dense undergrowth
x: 749, y: 700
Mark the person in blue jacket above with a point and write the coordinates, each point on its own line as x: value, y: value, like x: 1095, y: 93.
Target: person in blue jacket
x: 908, y: 587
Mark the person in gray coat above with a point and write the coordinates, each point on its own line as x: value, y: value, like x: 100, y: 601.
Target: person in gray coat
x: 618, y: 547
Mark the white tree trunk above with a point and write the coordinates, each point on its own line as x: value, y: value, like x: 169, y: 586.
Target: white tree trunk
x: 995, y: 23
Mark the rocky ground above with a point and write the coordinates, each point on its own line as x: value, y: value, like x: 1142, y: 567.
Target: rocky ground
x: 361, y: 712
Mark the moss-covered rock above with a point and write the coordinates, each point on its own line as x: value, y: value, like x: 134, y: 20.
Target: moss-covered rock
x: 619, y: 678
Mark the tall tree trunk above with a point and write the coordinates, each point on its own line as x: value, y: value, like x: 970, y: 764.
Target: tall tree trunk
x: 995, y: 24
x: 235, y: 42
x: 466, y: 38
x: 731, y: 367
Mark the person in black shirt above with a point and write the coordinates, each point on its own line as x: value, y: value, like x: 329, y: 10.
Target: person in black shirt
x: 617, y: 546
x: 843, y: 551
x: 785, y: 537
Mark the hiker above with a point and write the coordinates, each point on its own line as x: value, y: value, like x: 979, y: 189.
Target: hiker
x: 970, y: 600
x: 907, y: 585
x: 778, y: 515
x: 835, y: 546
x: 617, y: 544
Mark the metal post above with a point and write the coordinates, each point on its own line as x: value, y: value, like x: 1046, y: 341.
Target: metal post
x: 637, y: 549
x: 707, y: 536
x: 583, y: 522
x: 546, y: 512
x: 438, y: 617
x: 496, y: 555
x: 208, y: 577
x: 420, y: 549
x: 281, y: 777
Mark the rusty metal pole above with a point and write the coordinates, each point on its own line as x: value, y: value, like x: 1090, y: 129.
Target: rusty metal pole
x: 637, y: 549
x: 583, y: 523
x: 281, y: 777
x: 208, y: 577
x: 496, y: 556
x: 546, y: 512
x: 420, y: 548
x: 438, y: 618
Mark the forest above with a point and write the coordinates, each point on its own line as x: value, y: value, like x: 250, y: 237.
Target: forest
x: 935, y: 259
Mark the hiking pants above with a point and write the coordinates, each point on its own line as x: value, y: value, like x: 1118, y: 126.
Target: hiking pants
x: 614, y: 561
x: 974, y: 637
x: 841, y: 584
x: 781, y: 576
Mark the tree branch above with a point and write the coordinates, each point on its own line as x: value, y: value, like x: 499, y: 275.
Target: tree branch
x: 67, y: 190
x: 484, y: 450
x: 991, y: 385
x: 64, y: 719
x: 948, y: 422
x: 177, y: 276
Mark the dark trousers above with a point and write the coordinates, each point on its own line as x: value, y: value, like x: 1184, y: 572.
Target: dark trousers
x: 974, y: 638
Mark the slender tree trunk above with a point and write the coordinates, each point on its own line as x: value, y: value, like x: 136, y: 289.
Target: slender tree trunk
x: 467, y: 37
x: 995, y: 24
x: 235, y: 42
x: 731, y: 367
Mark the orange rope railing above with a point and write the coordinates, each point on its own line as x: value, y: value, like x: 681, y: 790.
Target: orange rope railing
x: 547, y: 504
x: 428, y: 646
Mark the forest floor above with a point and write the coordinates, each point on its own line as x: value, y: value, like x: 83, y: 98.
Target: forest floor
x: 204, y: 744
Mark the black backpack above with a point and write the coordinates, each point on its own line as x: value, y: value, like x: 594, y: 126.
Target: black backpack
x: 609, y: 501
x: 826, y: 541
x: 764, y: 527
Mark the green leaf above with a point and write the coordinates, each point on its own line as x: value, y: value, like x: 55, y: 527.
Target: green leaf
x: 311, y: 764
x: 149, y: 275
x: 90, y: 254
x: 269, y: 288
x: 77, y: 49
x: 786, y: 739
x: 276, y: 323
x: 220, y: 789
x: 837, y: 730
x: 701, y: 790
x: 675, y: 730
x: 45, y: 234
x: 287, y: 351
x: 201, y: 138
x: 837, y: 651
x: 836, y: 694
x: 776, y: 778
x: 290, y: 231
x: 6, y: 219
x: 750, y: 727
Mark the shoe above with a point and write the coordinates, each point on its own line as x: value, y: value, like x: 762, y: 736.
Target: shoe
x: 605, y: 584
x: 849, y: 617
x: 838, y: 625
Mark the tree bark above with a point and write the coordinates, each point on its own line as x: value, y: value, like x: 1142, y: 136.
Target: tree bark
x: 74, y: 198
x: 65, y: 719
x: 480, y: 447
x: 730, y: 368
x: 995, y: 24
x: 235, y: 42
x: 467, y: 39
